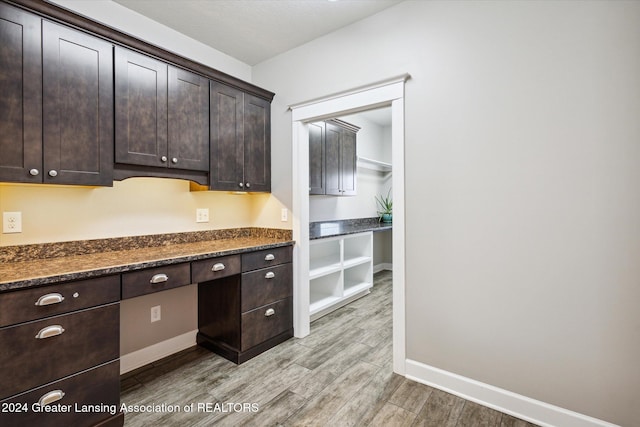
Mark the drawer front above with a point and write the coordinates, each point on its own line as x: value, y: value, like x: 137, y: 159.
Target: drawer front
x: 266, y: 322
x: 98, y: 387
x: 215, y: 268
x: 37, y: 303
x: 156, y: 279
x: 64, y: 345
x: 261, y: 287
x: 266, y: 258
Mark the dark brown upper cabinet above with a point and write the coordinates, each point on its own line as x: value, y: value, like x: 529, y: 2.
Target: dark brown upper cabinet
x: 56, y: 108
x: 188, y: 120
x: 162, y: 114
x: 332, y: 158
x: 240, y: 140
x: 21, y: 96
x: 77, y: 107
x: 317, y: 159
x: 141, y: 109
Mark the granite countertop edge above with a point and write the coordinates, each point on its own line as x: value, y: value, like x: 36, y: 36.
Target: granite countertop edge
x: 346, y: 227
x: 99, y: 268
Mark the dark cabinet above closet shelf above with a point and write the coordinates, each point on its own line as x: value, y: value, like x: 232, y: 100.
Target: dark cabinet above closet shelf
x: 332, y: 158
x: 66, y: 118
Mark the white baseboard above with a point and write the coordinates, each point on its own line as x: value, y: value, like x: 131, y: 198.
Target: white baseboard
x: 144, y: 356
x: 534, y: 411
x: 382, y: 266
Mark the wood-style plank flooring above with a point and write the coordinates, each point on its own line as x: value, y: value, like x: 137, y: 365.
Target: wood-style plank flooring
x: 339, y: 375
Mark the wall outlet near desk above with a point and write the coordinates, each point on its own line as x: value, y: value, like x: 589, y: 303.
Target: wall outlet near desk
x: 155, y: 313
x: 202, y: 215
x: 11, y: 222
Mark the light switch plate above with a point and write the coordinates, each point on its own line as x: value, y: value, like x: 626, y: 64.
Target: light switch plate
x: 284, y: 215
x: 11, y: 222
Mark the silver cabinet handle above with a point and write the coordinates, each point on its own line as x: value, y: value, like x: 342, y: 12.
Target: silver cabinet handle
x: 270, y: 275
x: 49, y: 331
x: 269, y: 312
x: 240, y: 184
x: 34, y: 172
x: 49, y: 299
x: 159, y: 278
x: 174, y: 160
x: 269, y: 257
x: 163, y: 159
x: 218, y: 267
x: 52, y: 396
x: 248, y: 185
x: 53, y: 173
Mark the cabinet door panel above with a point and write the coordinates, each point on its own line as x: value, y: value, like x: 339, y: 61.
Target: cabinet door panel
x: 257, y: 144
x: 333, y: 159
x: 227, y: 150
x: 141, y: 109
x: 77, y: 107
x: 21, y: 99
x: 316, y: 158
x: 188, y: 120
x: 348, y: 163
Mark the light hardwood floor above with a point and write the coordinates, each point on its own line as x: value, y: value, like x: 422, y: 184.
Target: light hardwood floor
x: 339, y: 375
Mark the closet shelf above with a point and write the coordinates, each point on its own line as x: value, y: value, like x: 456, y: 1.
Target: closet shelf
x: 377, y: 165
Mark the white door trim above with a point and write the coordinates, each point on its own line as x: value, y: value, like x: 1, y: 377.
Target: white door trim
x: 389, y: 92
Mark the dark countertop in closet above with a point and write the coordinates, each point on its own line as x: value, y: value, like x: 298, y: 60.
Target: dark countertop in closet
x: 324, y: 229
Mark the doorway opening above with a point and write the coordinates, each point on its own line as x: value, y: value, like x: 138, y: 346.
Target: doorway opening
x: 387, y: 93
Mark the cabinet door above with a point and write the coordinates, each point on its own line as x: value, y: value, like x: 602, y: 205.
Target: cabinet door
x: 77, y: 107
x: 257, y: 144
x: 141, y: 109
x: 332, y: 147
x: 188, y: 120
x: 227, y: 150
x: 21, y: 96
x: 348, y: 162
x: 316, y: 158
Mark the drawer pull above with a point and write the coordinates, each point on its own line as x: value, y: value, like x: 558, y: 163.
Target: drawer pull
x: 52, y: 396
x: 159, y: 278
x: 49, y: 331
x: 218, y: 267
x: 270, y: 275
x: 49, y: 299
x: 269, y: 257
x: 269, y: 312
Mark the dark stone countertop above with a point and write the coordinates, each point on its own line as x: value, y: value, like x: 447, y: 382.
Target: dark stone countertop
x: 323, y: 229
x: 32, y: 271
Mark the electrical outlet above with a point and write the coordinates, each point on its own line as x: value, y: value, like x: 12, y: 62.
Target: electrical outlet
x: 202, y: 215
x: 155, y: 313
x: 284, y: 215
x: 12, y: 222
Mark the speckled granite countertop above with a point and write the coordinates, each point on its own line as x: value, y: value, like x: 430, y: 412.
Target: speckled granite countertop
x: 32, y: 265
x: 323, y: 229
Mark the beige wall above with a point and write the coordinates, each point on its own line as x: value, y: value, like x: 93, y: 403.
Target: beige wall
x: 522, y: 184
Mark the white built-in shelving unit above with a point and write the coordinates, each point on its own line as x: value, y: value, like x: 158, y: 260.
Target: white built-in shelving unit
x: 340, y: 271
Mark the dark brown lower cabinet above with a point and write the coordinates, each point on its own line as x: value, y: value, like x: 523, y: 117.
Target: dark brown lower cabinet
x: 59, y: 355
x: 246, y: 314
x: 87, y: 398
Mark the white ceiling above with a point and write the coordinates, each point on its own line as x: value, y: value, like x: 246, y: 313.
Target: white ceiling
x: 255, y: 30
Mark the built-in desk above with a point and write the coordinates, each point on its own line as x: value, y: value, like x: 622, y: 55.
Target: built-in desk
x: 59, y: 312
